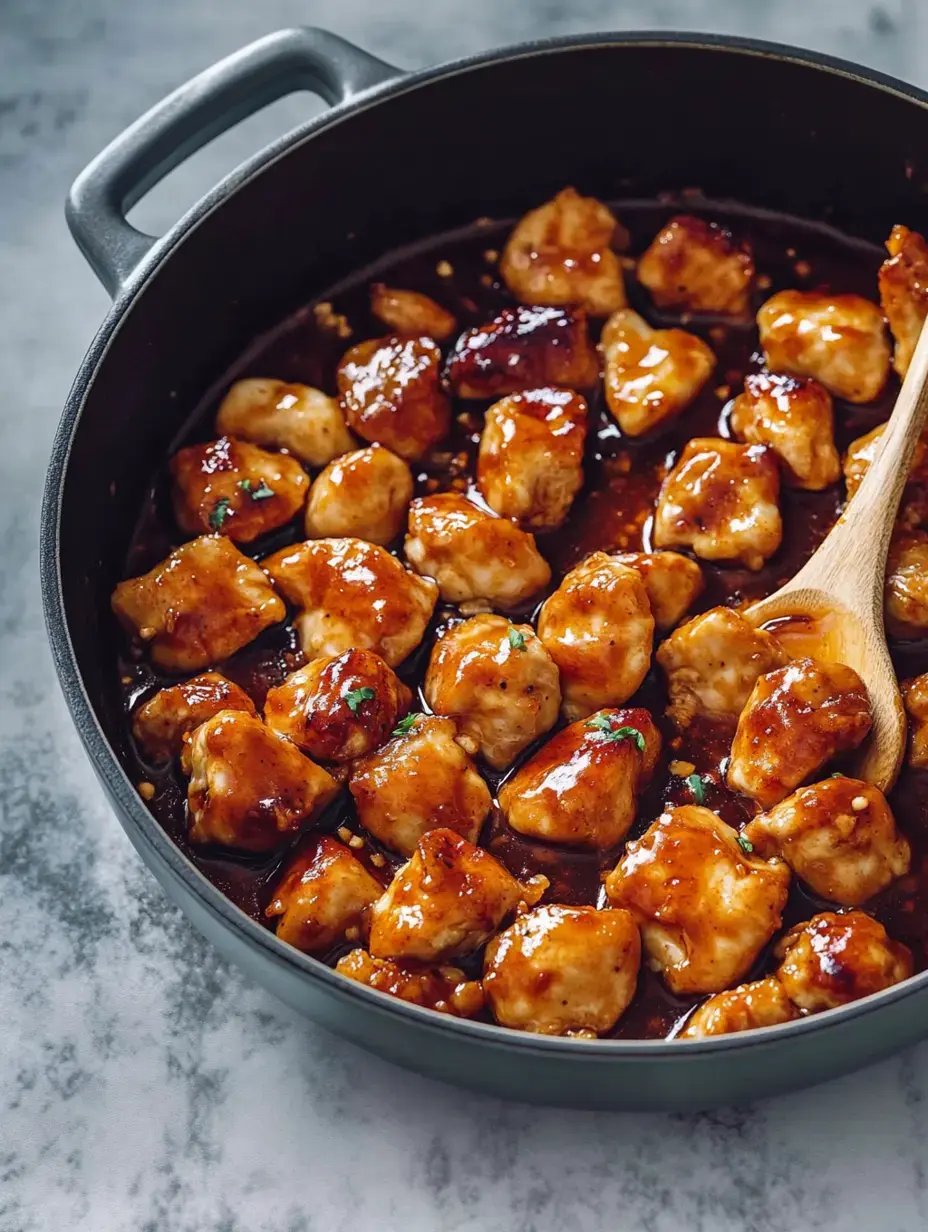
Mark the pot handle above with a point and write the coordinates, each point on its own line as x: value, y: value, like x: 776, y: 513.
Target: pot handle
x: 302, y: 58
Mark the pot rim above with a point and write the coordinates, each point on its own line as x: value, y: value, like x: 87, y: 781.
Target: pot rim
x: 130, y: 808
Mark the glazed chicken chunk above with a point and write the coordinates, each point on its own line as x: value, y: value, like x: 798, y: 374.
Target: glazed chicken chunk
x: 697, y: 266
x: 235, y: 489
x: 199, y: 606
x: 389, y: 388
x: 705, y: 907
x: 915, y: 696
x: 530, y: 463
x: 478, y: 560
x: 839, y: 340
x: 651, y: 375
x: 446, y: 900
x: 904, y: 292
x: 673, y: 583
x: 338, y: 707
x: 797, y: 718
x: 763, y: 1003
x: 353, y: 595
x: 324, y: 894
x: 793, y: 416
x: 411, y: 313
x: 859, y: 458
x: 561, y: 253
x: 835, y: 958
x: 499, y: 681
x: 598, y: 629
x: 720, y: 499
x: 250, y: 788
x: 563, y: 970
x: 160, y: 724
x: 712, y: 663
x: 444, y: 989
x: 581, y: 788
x: 838, y: 836
x: 361, y: 495
x: 523, y: 348
x: 906, y: 594
x: 304, y: 421
x: 419, y: 781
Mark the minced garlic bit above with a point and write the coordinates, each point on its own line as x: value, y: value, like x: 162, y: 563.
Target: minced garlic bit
x: 345, y: 834
x: 146, y: 633
x: 803, y: 269
x: 353, y: 933
x: 126, y: 679
x: 491, y: 256
x: 331, y: 321
x: 682, y: 768
x: 377, y: 859
x: 764, y: 281
x: 486, y: 280
x: 356, y: 841
x: 859, y: 803
x: 723, y: 392
x: 444, y: 269
x: 147, y: 790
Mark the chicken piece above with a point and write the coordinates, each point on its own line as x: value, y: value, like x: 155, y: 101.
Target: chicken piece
x: 794, y: 417
x: 324, y: 892
x: 712, y: 663
x: 340, y: 707
x: 581, y: 788
x: 361, y: 495
x: 763, y: 1003
x: 915, y: 696
x: 446, y: 900
x: 563, y: 970
x: 250, y: 788
x: 523, y: 348
x: 477, y: 559
x: 839, y: 340
x: 673, y: 583
x: 353, y: 595
x: 651, y: 375
x: 859, y: 458
x: 530, y: 462
x: 904, y: 292
x: 697, y: 266
x: 390, y: 391
x: 797, y: 718
x: 304, y: 421
x: 235, y: 489
x: 560, y: 254
x: 720, y: 499
x: 160, y: 724
x: 445, y: 989
x: 499, y: 681
x: 421, y: 780
x: 838, y: 836
x: 411, y: 313
x: 906, y: 594
x: 200, y: 605
x: 705, y: 906
x: 835, y: 958
x: 598, y: 629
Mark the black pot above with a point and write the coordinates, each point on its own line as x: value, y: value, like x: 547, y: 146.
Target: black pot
x: 396, y: 158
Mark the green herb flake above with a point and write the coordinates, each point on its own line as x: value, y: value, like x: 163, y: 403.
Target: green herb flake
x: 355, y: 697
x: 219, y: 513
x: 745, y: 844
x: 516, y: 639
x: 697, y: 787
x: 259, y: 493
x: 405, y: 726
x: 603, y: 723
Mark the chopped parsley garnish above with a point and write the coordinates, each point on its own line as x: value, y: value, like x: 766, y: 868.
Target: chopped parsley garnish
x: 405, y: 726
x: 745, y: 844
x: 697, y: 788
x: 516, y: 639
x: 261, y: 492
x: 219, y: 513
x: 603, y: 723
x: 355, y: 697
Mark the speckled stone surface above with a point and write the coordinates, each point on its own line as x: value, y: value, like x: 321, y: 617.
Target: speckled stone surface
x: 146, y: 1086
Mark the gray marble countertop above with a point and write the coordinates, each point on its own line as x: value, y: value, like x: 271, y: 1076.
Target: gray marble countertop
x: 146, y: 1086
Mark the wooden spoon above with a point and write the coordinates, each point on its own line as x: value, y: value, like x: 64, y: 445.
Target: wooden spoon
x: 833, y: 608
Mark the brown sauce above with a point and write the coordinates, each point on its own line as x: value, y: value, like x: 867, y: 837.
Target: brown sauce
x: 612, y: 513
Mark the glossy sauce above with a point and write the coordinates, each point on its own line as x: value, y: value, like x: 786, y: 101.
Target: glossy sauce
x: 613, y: 512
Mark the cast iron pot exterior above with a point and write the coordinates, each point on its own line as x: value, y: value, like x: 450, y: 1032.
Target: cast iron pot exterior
x: 397, y: 158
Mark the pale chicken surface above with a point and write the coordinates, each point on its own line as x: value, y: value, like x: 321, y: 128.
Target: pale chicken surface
x: 673, y: 583
x: 721, y: 500
x: 794, y: 416
x: 913, y: 510
x: 598, y: 629
x: 906, y: 594
x: 338, y: 707
x: 582, y: 787
x: 835, y: 958
x: 160, y: 723
x: 560, y: 253
x: 500, y: 683
x: 797, y: 718
x: 364, y: 494
x: 304, y: 421
x: 915, y: 696
x: 477, y: 559
x: 420, y: 780
x: 530, y: 461
x: 838, y: 836
x: 249, y: 787
x: 705, y: 907
x: 697, y: 266
x: 651, y: 375
x: 447, y: 990
x: 762, y: 1003
x: 353, y: 595
x: 904, y: 292
x: 838, y: 340
x: 562, y: 970
x: 411, y: 312
x: 198, y: 606
x: 323, y: 893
